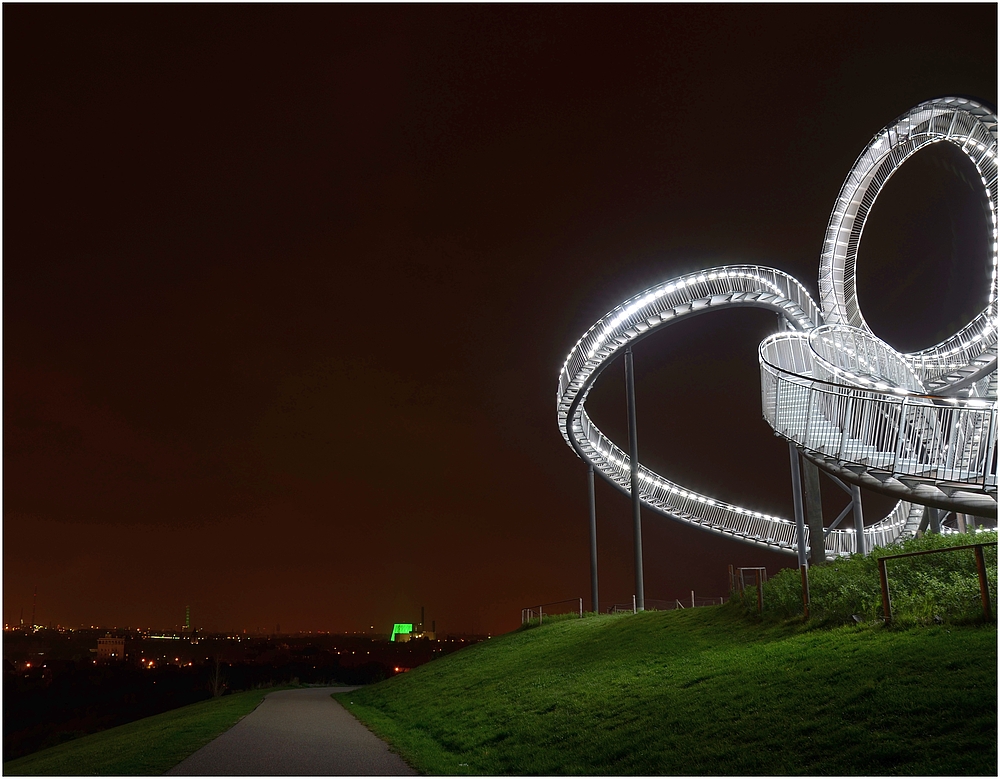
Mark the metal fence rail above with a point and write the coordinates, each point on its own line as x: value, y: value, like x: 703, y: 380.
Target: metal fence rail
x: 984, y: 585
x: 972, y: 128
x: 530, y: 613
x: 897, y: 431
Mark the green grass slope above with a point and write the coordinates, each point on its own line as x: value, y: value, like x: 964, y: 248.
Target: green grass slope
x: 698, y: 692
x: 147, y: 747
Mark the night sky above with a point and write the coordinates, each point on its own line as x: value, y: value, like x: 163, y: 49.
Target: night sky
x: 286, y: 289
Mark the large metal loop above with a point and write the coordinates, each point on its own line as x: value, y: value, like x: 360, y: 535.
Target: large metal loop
x: 972, y: 128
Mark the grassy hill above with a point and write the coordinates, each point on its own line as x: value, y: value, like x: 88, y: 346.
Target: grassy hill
x: 710, y: 691
x: 699, y: 692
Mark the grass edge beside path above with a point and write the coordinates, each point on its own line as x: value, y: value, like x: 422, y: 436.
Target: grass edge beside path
x: 146, y: 747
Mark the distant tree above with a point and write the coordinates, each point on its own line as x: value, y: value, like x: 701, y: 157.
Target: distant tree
x: 216, y: 679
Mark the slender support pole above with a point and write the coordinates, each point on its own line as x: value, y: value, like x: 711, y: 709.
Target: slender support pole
x: 804, y: 571
x: 960, y: 518
x: 814, y: 512
x: 594, y: 606
x: 633, y: 453
x: 935, y: 520
x: 800, y: 523
x: 859, y: 520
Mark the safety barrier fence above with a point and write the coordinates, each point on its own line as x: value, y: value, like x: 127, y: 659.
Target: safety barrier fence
x: 943, y: 438
x: 670, y: 298
x: 531, y: 613
x: 652, y: 604
x: 738, y: 285
x: 984, y: 586
x: 675, y: 500
x: 979, y: 337
x: 856, y: 357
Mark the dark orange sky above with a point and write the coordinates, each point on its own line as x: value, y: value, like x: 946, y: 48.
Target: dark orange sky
x: 286, y: 289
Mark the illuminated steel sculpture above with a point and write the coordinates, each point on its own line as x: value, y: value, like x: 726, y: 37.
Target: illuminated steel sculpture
x: 919, y: 426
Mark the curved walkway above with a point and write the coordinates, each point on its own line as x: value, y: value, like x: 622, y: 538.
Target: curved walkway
x: 296, y: 733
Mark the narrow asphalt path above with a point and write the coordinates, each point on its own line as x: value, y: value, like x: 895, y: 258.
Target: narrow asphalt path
x: 296, y: 732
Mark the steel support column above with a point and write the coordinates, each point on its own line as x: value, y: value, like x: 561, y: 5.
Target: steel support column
x: 633, y: 453
x: 935, y: 516
x: 800, y: 524
x: 814, y: 511
x: 859, y: 520
x: 594, y: 605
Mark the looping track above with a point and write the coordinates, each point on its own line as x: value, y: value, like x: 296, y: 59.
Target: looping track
x: 852, y: 404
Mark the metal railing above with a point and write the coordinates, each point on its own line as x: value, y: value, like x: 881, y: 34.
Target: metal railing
x: 856, y: 357
x: 940, y: 438
x: 676, y: 297
x: 837, y: 398
x: 972, y: 128
x: 738, y: 285
x: 530, y: 613
x: 693, y: 603
x: 984, y: 585
x: 671, y: 301
x: 975, y: 340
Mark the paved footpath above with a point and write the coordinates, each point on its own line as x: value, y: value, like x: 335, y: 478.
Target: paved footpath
x: 296, y: 732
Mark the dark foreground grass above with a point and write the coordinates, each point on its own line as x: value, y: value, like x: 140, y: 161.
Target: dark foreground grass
x: 147, y: 747
x: 698, y: 692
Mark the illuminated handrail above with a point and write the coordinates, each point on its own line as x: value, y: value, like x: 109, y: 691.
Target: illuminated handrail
x: 945, y: 439
x: 664, y: 304
x: 978, y: 344
x: 971, y: 127
x: 840, y: 393
x: 856, y: 357
x: 649, y: 308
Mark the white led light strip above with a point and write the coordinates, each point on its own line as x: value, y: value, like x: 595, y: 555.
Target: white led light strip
x: 972, y: 128
x: 667, y: 303
x: 848, y: 364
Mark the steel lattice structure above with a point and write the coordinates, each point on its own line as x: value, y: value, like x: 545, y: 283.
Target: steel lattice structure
x: 919, y: 426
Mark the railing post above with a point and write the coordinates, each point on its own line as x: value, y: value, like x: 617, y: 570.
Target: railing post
x: 952, y: 443
x: 992, y: 439
x: 848, y: 419
x: 777, y: 401
x: 884, y: 581
x: 809, y: 404
x: 581, y: 608
x: 900, y: 436
x: 984, y: 584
